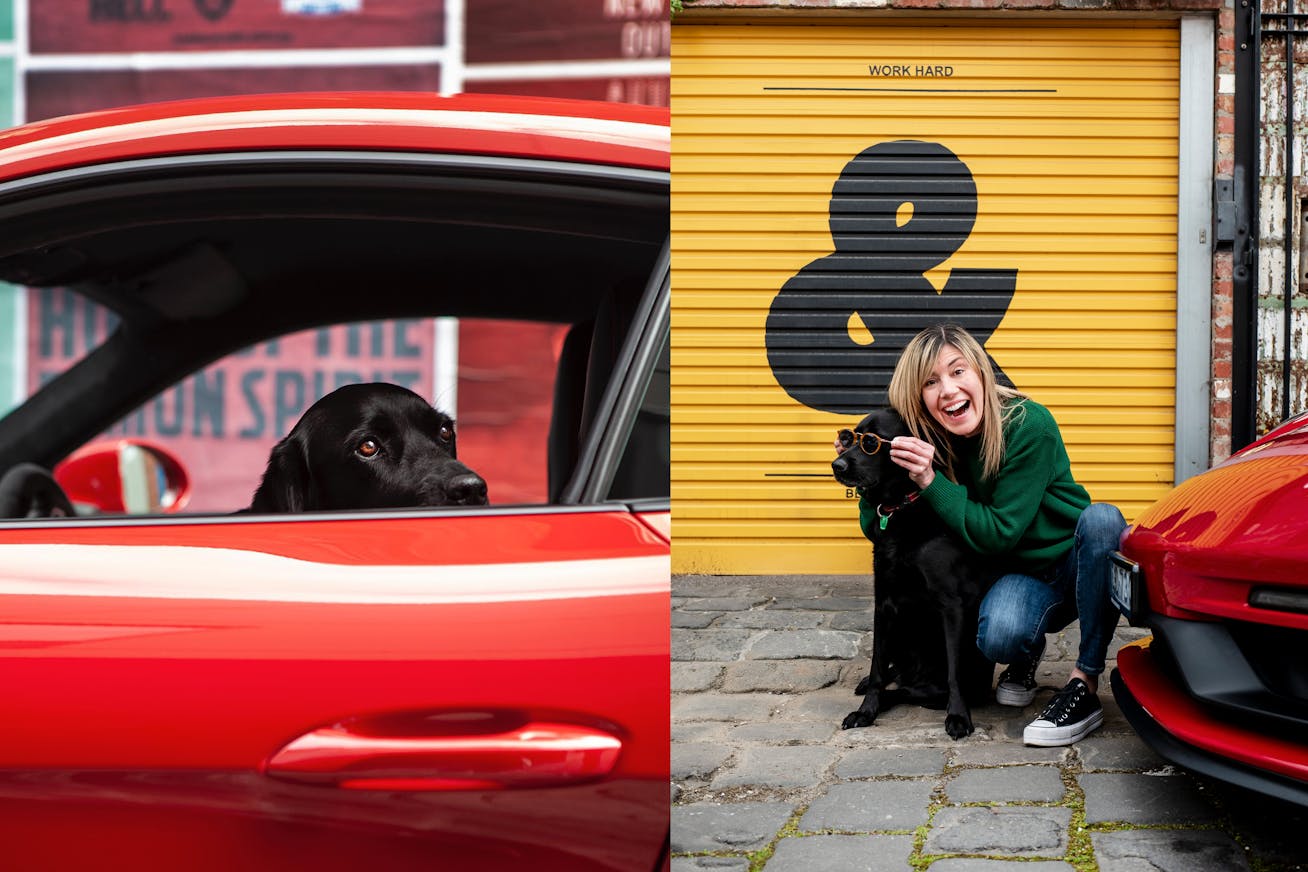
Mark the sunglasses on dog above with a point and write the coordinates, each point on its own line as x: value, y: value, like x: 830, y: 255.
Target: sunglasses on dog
x: 848, y: 438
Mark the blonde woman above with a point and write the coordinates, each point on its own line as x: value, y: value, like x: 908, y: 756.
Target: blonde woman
x: 992, y: 463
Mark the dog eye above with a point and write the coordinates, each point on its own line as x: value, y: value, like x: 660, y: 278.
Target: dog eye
x: 367, y: 448
x: 447, y: 432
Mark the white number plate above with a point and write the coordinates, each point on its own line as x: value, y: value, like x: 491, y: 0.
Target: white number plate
x: 1127, y: 588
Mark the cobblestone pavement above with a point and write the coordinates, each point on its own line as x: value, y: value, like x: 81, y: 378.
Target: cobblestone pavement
x: 764, y: 669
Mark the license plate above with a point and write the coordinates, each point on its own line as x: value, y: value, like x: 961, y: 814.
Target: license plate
x: 1127, y: 588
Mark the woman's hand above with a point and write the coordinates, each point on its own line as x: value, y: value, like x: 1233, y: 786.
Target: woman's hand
x: 914, y: 455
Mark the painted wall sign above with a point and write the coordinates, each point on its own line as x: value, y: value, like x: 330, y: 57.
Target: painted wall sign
x: 53, y: 93
x: 642, y: 90
x: 528, y: 30
x: 67, y: 26
x: 837, y: 328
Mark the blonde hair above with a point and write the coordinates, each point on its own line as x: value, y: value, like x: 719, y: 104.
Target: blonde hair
x: 911, y: 373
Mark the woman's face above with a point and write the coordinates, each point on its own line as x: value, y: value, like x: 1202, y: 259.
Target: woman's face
x: 952, y: 393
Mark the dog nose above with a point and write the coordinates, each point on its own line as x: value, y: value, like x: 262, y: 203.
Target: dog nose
x: 467, y: 490
x: 839, y: 465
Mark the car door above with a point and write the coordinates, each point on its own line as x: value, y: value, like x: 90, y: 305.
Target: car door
x: 478, y: 691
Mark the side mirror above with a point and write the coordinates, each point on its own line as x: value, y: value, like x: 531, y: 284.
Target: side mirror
x: 124, y: 476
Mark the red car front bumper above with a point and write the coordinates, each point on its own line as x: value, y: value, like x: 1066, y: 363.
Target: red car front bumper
x: 1196, y: 737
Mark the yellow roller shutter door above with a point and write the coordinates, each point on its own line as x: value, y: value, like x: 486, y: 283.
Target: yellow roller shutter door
x: 837, y: 186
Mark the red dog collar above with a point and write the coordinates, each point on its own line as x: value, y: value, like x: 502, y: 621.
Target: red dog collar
x: 884, y: 514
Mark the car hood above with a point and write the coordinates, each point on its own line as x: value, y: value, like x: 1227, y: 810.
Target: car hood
x: 1245, y: 518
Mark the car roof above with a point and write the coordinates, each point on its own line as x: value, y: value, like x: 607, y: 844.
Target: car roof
x: 528, y: 127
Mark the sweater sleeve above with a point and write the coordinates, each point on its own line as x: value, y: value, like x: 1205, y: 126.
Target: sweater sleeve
x: 997, y: 525
x: 867, y: 511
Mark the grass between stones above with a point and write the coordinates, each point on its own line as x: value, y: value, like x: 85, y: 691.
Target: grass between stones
x: 1080, y: 850
x: 917, y: 859
x: 791, y: 828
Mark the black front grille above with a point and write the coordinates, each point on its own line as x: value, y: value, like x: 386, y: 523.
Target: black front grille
x: 1278, y: 655
x: 1249, y: 674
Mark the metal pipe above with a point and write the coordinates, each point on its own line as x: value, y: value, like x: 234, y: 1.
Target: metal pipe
x: 1244, y: 279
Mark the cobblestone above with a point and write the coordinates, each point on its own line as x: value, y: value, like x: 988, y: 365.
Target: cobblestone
x: 710, y: 644
x: 1013, y: 832
x: 1009, y: 784
x: 1168, y: 851
x: 777, y: 767
x: 771, y: 620
x: 843, y: 853
x: 745, y: 826
x: 710, y: 864
x: 688, y: 677
x: 864, y: 807
x: 1143, y: 799
x: 782, y: 733
x: 790, y: 676
x: 876, y: 762
x: 697, y: 759
x: 804, y: 644
x: 1113, y: 754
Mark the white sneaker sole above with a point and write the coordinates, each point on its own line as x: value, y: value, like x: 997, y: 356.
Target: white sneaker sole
x: 1015, y: 695
x: 1052, y: 737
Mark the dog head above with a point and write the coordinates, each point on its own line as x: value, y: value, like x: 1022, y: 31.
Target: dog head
x: 878, y: 476
x: 368, y: 446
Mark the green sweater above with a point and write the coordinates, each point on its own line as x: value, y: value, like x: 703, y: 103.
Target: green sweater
x: 1027, y: 512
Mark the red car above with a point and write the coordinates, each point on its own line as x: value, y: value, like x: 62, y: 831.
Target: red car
x: 191, y: 687
x: 1218, y: 570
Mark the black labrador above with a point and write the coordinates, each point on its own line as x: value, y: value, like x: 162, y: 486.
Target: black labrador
x: 368, y: 446
x: 927, y: 590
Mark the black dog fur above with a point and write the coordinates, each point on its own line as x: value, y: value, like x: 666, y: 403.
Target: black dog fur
x: 927, y: 592
x: 326, y: 461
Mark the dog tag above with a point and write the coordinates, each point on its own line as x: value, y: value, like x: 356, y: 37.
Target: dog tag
x: 885, y: 519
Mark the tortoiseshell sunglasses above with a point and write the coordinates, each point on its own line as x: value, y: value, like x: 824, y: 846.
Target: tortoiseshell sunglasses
x: 848, y: 438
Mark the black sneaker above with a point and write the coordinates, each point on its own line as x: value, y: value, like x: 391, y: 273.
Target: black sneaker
x: 1017, y: 683
x: 1071, y: 715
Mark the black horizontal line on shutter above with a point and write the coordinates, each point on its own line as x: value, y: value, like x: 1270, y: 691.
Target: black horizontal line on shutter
x: 923, y: 90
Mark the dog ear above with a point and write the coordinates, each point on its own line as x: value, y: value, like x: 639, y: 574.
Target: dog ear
x: 287, y: 485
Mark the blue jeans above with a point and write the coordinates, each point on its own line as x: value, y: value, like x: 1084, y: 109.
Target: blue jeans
x: 1020, y: 609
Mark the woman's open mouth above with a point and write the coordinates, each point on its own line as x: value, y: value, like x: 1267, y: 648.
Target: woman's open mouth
x: 959, y: 409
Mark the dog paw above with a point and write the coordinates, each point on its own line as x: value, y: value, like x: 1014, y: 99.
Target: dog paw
x: 863, y: 686
x: 958, y: 726
x: 857, y: 719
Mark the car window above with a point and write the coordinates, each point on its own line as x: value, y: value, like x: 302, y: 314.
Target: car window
x: 496, y: 378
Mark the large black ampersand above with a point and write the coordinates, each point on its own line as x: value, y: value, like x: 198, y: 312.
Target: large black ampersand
x: 875, y: 274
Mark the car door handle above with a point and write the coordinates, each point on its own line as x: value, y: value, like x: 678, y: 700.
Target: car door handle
x: 359, y: 755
